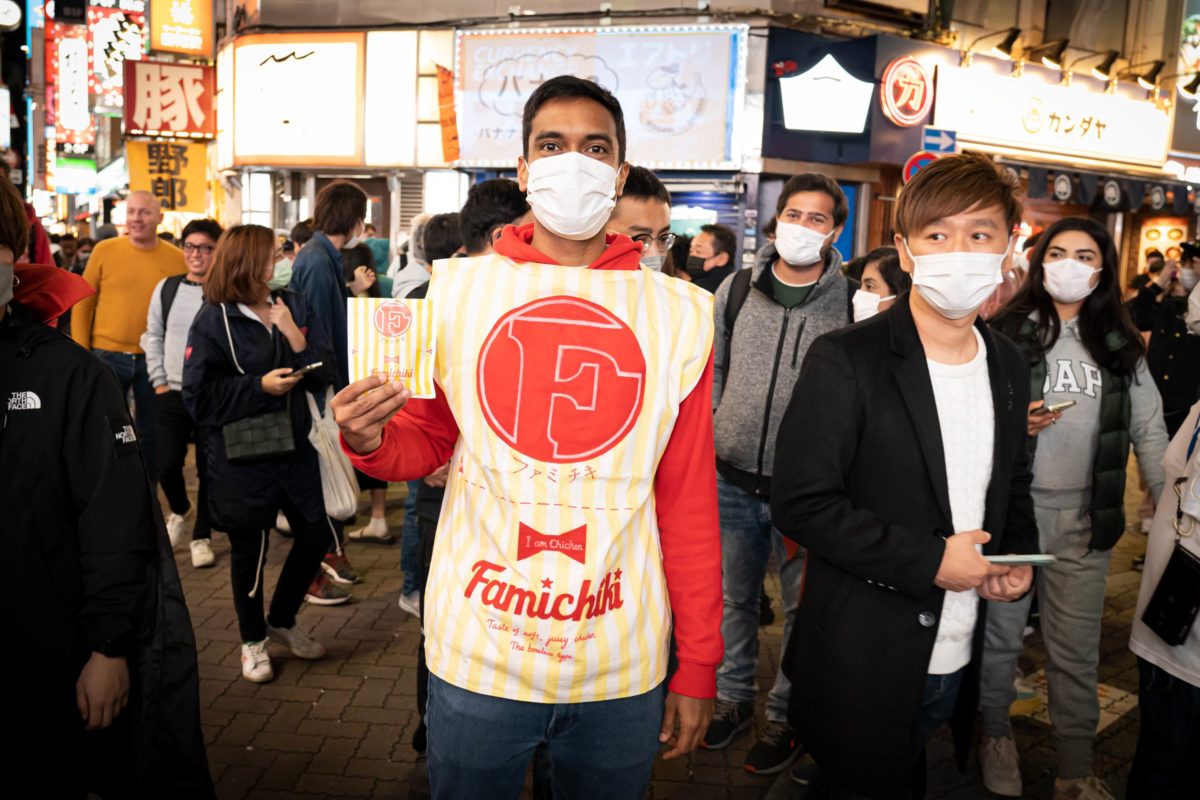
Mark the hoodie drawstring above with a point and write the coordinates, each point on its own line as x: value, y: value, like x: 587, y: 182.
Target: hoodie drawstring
x: 258, y: 571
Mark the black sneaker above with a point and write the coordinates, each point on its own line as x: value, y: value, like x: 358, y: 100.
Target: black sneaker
x: 774, y: 751
x: 728, y: 720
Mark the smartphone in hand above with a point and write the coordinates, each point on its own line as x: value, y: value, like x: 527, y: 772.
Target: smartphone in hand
x: 305, y: 370
x: 1054, y: 408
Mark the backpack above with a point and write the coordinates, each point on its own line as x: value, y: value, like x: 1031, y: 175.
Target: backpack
x: 170, y: 288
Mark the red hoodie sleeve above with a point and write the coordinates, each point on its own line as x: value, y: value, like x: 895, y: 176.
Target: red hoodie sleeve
x: 416, y: 442
x: 685, y: 491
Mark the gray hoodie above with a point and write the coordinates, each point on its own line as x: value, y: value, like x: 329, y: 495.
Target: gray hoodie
x: 767, y: 351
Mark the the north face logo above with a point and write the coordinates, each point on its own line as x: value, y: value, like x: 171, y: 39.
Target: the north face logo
x: 126, y: 435
x: 24, y: 401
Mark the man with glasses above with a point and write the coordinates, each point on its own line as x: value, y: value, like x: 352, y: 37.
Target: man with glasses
x: 124, y: 271
x: 643, y: 213
x: 173, y: 306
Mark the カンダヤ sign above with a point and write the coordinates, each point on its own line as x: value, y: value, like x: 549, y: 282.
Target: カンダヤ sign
x: 169, y: 99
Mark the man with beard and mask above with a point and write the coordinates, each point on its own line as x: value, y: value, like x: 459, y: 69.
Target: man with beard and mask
x: 903, y: 453
x: 580, y: 518
x: 710, y: 257
x: 1173, y: 354
x: 766, y: 318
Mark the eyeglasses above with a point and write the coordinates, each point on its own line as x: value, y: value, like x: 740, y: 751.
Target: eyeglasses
x: 202, y: 249
x: 665, y: 242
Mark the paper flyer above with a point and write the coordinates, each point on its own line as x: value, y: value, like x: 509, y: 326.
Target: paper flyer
x: 395, y: 338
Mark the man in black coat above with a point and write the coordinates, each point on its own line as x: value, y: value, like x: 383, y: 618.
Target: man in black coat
x: 901, y: 458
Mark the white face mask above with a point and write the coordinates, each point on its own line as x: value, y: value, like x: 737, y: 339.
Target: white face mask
x: 571, y: 194
x: 1188, y: 278
x: 866, y: 304
x: 654, y: 262
x: 956, y: 284
x: 1068, y: 280
x: 798, y: 245
x: 283, y: 274
x: 6, y: 284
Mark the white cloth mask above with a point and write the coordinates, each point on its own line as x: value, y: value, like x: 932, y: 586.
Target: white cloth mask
x: 866, y: 304
x: 798, y: 245
x: 571, y: 194
x: 1188, y: 278
x: 956, y: 284
x: 654, y: 262
x: 1068, y: 280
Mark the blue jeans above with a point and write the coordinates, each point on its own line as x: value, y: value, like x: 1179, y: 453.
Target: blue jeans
x: 481, y: 746
x: 410, y: 540
x: 130, y: 371
x: 1166, y: 765
x: 747, y: 541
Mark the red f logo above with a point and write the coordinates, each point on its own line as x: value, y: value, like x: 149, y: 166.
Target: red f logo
x: 561, y: 379
x: 392, y: 318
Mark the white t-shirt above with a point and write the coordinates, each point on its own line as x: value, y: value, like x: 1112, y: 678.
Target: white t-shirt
x: 967, y: 421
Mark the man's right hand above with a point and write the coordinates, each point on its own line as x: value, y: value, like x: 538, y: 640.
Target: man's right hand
x: 364, y: 407
x: 962, y: 566
x: 162, y: 389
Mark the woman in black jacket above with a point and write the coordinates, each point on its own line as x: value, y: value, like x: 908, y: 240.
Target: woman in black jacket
x: 244, y: 348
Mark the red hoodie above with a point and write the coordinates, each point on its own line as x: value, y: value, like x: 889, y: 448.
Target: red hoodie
x: 48, y: 291
x: 421, y: 438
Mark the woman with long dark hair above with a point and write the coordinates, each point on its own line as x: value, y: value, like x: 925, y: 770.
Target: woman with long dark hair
x: 1091, y: 397
x: 241, y: 379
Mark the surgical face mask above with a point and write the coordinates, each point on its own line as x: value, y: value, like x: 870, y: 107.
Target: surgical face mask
x: 1188, y: 278
x: 283, y: 274
x: 866, y: 304
x: 798, y: 245
x: 1068, y: 280
x: 956, y: 284
x: 354, y: 242
x: 571, y: 194
x: 654, y: 262
x: 695, y: 265
x: 6, y: 284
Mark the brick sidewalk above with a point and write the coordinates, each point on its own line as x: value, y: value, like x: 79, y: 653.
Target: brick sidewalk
x: 342, y: 727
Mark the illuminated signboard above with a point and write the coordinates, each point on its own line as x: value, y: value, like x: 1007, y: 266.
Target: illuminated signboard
x: 906, y: 92
x: 682, y: 88
x: 171, y: 171
x: 1045, y: 117
x: 182, y: 26
x: 826, y: 98
x: 169, y: 99
x: 115, y: 36
x: 67, y: 73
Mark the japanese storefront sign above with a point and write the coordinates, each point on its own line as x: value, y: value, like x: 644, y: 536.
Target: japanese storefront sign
x: 171, y: 171
x: 843, y: 99
x: 115, y: 36
x: 393, y: 338
x: 67, y: 73
x: 906, y: 92
x: 446, y: 117
x: 682, y: 88
x: 1027, y: 113
x: 169, y: 99
x: 182, y: 26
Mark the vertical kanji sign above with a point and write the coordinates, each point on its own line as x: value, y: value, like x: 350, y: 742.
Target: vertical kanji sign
x: 170, y: 100
x: 171, y: 171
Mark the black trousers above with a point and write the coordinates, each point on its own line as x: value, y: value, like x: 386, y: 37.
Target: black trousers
x: 174, y: 431
x: 426, y: 529
x: 310, y: 540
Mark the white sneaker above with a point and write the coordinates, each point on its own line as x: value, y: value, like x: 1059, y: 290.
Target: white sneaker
x: 297, y: 641
x: 175, y: 529
x: 374, y: 531
x: 1001, y: 766
x: 256, y: 664
x: 411, y: 603
x: 281, y: 524
x: 202, y: 554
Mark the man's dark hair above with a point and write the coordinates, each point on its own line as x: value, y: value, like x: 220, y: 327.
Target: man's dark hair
x: 1155, y: 261
x: 568, y: 87
x: 340, y: 206
x: 723, y: 239
x: 167, y: 237
x: 209, y: 227
x: 768, y: 230
x: 490, y: 204
x: 642, y: 184
x: 301, y: 232
x: 14, y: 226
x: 441, y: 237
x: 66, y: 237
x: 815, y: 182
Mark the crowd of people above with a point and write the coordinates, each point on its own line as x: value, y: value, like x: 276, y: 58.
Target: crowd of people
x: 628, y: 431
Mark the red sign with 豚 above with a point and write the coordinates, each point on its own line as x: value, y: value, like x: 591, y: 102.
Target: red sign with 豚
x: 174, y: 100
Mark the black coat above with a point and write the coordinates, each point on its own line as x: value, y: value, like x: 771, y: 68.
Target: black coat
x: 215, y: 392
x: 860, y: 481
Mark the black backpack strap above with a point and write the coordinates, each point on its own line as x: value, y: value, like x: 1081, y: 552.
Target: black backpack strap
x: 739, y: 290
x: 170, y: 288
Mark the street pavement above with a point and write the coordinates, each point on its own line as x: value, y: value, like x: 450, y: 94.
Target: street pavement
x: 342, y: 726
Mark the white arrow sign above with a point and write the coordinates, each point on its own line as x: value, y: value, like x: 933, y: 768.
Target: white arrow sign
x: 937, y: 140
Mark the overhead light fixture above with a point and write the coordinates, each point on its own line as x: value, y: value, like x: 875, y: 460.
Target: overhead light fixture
x: 1002, y: 50
x: 1104, y: 70
x: 1147, y: 78
x: 1052, y: 52
x: 1190, y: 88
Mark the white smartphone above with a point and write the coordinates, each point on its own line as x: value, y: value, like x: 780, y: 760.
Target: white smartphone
x: 1025, y: 560
x: 306, y: 370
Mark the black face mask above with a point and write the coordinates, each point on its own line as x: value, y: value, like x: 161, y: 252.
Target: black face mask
x: 695, y: 265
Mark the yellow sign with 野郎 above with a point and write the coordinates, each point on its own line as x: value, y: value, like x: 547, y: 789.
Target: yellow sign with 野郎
x: 393, y: 338
x: 171, y: 171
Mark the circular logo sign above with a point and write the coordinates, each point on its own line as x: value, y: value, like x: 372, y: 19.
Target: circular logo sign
x: 906, y: 92
x: 392, y: 318
x: 1112, y: 193
x: 917, y: 162
x: 561, y: 379
x: 1158, y: 197
x: 1062, y: 188
x: 1035, y: 115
